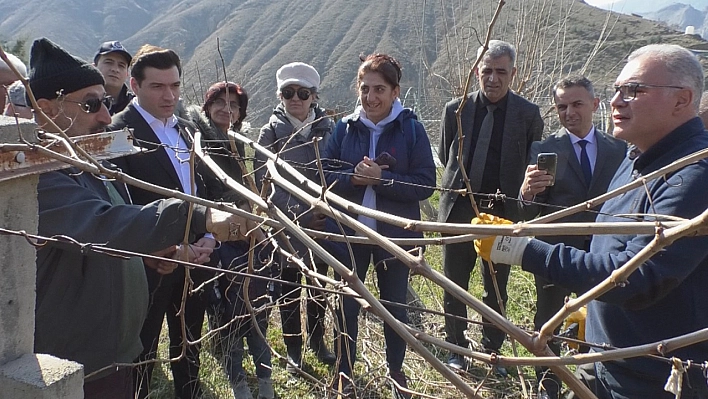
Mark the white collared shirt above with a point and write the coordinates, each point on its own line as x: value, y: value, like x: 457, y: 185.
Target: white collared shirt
x: 175, y: 146
x: 590, y: 147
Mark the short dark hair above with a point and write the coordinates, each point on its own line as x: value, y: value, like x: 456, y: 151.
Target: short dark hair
x: 220, y: 88
x: 155, y: 57
x: 384, y: 64
x: 573, y: 81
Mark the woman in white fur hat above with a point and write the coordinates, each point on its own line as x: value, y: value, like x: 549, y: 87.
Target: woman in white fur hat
x: 297, y: 125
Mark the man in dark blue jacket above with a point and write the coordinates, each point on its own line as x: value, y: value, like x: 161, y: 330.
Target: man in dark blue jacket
x: 655, y: 109
x: 112, y: 59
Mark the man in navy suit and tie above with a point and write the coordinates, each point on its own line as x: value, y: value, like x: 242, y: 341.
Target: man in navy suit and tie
x: 587, y: 160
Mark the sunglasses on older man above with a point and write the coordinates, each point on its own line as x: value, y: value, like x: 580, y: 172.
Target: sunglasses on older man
x: 302, y: 93
x: 93, y: 105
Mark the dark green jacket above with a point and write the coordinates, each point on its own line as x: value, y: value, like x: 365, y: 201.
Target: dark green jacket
x: 90, y: 306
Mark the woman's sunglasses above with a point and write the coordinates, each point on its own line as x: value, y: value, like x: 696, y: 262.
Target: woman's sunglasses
x: 93, y: 105
x: 302, y: 94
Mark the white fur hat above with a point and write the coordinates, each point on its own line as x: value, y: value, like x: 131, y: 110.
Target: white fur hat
x: 298, y: 73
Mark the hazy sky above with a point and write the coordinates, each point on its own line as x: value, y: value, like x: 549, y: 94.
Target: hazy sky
x: 653, y: 4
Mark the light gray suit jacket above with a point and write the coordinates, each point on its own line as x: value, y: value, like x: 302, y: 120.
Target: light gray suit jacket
x: 522, y: 126
x: 570, y: 187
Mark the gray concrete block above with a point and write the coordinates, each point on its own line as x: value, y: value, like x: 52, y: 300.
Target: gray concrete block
x: 24, y: 375
x: 11, y: 130
x: 18, y: 211
x: 36, y: 376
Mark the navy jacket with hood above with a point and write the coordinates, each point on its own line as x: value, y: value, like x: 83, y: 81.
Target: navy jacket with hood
x: 406, y: 140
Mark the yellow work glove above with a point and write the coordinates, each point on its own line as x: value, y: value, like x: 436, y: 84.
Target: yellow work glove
x: 499, y: 249
x: 483, y: 246
x: 577, y: 317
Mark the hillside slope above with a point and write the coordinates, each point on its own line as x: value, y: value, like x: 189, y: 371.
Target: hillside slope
x: 435, y: 41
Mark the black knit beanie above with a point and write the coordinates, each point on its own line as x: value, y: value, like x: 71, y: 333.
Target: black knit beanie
x: 54, y: 71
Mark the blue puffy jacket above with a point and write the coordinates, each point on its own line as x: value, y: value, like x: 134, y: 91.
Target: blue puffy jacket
x: 406, y: 140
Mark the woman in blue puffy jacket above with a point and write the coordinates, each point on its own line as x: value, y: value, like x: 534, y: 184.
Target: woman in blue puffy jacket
x: 380, y: 157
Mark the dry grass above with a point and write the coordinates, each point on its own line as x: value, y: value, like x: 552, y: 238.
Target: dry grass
x: 370, y: 371
x: 371, y: 365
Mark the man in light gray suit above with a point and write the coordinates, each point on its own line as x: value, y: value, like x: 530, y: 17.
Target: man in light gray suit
x: 581, y: 150
x: 498, y: 128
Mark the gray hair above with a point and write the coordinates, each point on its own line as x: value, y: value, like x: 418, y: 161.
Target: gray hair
x: 574, y: 81
x: 682, y: 65
x: 499, y: 48
x: 703, y: 109
x: 19, y: 65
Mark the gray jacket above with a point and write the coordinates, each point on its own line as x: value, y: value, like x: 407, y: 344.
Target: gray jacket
x: 570, y: 187
x: 275, y: 136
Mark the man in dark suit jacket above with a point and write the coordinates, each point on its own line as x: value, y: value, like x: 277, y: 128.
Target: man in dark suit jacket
x: 575, y: 102
x: 155, y: 80
x: 498, y: 167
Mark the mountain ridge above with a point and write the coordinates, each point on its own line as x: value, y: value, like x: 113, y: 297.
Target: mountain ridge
x: 680, y: 16
x: 435, y: 42
x: 642, y: 7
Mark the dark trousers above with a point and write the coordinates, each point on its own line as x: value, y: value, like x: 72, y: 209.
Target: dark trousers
x: 166, y: 299
x: 290, y: 309
x: 607, y: 384
x: 392, y: 277
x: 243, y: 327
x: 458, y: 263
x: 116, y: 385
x: 234, y: 255
x: 257, y: 347
x: 549, y: 300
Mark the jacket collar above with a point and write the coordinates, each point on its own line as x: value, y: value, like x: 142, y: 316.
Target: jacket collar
x: 278, y: 121
x: 405, y: 114
x: 672, y: 140
x: 501, y: 104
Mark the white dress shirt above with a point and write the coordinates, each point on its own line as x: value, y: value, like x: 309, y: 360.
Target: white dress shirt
x: 173, y: 144
x: 590, y: 147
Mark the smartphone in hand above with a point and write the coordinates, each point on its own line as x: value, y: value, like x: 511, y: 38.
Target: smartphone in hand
x: 547, y: 161
x: 385, y: 159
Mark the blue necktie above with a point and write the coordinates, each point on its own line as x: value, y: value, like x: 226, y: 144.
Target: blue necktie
x: 585, y: 162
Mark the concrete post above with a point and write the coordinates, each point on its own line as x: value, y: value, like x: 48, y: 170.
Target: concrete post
x: 34, y: 376
x: 22, y: 373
